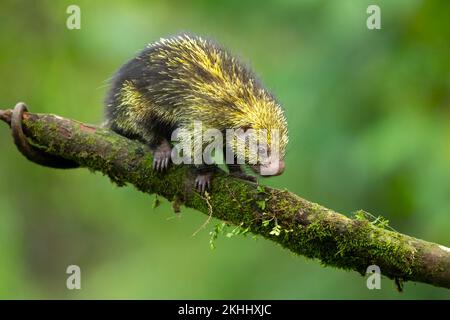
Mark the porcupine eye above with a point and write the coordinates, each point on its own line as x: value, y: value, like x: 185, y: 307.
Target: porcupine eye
x: 262, y: 154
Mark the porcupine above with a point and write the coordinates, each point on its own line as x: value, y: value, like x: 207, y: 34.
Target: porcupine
x: 178, y: 80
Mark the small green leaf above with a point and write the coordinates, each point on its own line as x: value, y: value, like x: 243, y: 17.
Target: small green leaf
x: 261, y: 204
x: 360, y: 215
x: 276, y: 230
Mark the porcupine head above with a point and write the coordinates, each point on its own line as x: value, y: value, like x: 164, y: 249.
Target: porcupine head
x: 230, y: 99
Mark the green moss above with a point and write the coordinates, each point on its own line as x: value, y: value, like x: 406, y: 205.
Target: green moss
x: 349, y: 244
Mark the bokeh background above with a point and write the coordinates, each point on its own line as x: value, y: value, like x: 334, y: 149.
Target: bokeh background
x: 369, y: 120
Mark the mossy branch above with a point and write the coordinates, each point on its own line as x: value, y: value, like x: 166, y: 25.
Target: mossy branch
x: 297, y: 224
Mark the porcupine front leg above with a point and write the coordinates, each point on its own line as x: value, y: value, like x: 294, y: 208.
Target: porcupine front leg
x: 161, y: 154
x: 236, y: 170
x: 203, y: 176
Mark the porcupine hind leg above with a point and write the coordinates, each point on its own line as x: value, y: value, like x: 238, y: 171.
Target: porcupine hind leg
x: 155, y: 140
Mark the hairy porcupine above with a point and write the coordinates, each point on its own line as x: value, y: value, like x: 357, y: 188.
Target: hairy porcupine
x: 176, y: 81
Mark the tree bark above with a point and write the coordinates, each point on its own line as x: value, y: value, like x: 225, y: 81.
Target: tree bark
x: 304, y: 227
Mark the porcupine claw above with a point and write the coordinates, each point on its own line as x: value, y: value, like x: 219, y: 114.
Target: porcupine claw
x: 161, y: 156
x: 203, y: 182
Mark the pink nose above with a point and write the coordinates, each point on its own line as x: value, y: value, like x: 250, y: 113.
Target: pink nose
x: 280, y: 167
x: 273, y: 169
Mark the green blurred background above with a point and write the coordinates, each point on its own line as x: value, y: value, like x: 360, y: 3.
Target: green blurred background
x: 369, y: 120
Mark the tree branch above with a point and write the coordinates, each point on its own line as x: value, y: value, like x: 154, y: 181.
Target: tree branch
x: 299, y: 225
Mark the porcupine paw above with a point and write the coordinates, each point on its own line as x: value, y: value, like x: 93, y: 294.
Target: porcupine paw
x: 203, y: 182
x: 243, y: 176
x: 161, y: 157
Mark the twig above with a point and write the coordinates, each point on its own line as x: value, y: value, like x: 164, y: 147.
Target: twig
x: 210, y: 210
